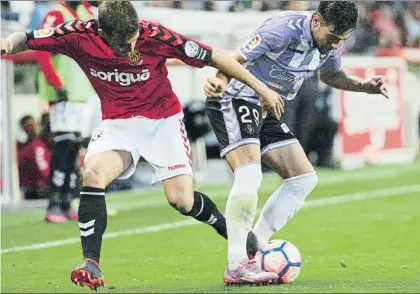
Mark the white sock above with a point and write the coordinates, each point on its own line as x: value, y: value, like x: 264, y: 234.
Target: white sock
x: 240, y: 212
x: 283, y: 204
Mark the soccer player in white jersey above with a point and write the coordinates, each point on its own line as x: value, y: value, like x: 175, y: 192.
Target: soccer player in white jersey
x: 281, y: 53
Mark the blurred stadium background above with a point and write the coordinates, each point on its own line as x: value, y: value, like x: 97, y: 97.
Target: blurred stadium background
x: 359, y: 143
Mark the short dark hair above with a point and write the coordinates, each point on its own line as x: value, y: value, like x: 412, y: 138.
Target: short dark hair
x: 24, y: 119
x: 340, y: 14
x: 118, y: 20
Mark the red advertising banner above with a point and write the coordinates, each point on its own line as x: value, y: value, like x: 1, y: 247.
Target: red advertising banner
x: 371, y: 126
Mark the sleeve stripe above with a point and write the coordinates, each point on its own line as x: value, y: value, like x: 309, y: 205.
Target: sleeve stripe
x: 67, y: 28
x: 167, y: 37
x: 242, y: 54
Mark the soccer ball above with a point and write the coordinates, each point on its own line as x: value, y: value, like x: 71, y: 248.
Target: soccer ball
x: 280, y: 257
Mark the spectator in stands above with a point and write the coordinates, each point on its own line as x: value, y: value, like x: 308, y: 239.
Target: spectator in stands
x: 7, y: 13
x: 156, y: 3
x: 384, y: 23
x: 209, y: 6
x: 298, y: 5
x: 308, y: 116
x: 235, y: 6
x: 412, y: 23
x: 364, y: 40
x: 41, y: 8
x: 45, y: 134
x: 321, y: 142
x: 300, y: 112
x: 177, y: 4
x: 33, y: 162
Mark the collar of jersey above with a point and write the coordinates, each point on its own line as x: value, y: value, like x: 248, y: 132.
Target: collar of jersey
x: 306, y: 28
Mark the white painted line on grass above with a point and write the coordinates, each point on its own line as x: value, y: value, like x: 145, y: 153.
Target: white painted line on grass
x: 327, y: 179
x: 163, y: 227
x: 363, y: 196
x: 151, y: 229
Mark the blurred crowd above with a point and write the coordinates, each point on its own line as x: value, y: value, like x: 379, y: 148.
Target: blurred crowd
x: 382, y: 24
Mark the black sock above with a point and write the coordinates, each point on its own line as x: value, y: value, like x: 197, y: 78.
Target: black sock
x: 205, y: 211
x: 58, y: 167
x: 92, y: 221
x: 72, y: 175
x: 69, y: 190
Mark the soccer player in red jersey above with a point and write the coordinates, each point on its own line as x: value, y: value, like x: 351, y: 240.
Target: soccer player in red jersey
x: 124, y: 59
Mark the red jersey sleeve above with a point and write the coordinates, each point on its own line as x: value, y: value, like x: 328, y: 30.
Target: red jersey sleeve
x: 44, y: 58
x: 175, y: 45
x: 61, y: 39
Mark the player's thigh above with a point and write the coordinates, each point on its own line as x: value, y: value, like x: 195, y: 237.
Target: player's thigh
x: 281, y: 150
x: 236, y: 124
x: 243, y: 155
x: 166, y: 148
x: 102, y: 168
x: 112, y: 151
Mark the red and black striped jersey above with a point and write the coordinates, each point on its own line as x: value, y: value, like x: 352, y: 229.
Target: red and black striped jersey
x: 125, y: 89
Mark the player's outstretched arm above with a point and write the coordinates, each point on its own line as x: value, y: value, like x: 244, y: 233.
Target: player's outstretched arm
x: 342, y: 80
x: 269, y: 99
x: 15, y: 43
x: 215, y: 86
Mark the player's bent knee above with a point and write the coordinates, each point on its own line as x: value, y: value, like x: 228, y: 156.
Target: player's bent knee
x: 248, y: 177
x: 243, y: 155
x: 302, y: 185
x: 179, y: 193
x: 180, y: 202
x: 311, y: 181
x: 92, y: 177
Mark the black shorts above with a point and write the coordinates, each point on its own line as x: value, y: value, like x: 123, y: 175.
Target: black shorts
x: 237, y: 122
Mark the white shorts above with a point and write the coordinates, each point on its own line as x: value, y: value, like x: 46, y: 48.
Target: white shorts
x: 67, y: 116
x: 163, y: 143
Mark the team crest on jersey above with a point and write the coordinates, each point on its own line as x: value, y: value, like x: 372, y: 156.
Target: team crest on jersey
x: 135, y: 57
x: 43, y: 33
x: 252, y: 43
x: 249, y: 128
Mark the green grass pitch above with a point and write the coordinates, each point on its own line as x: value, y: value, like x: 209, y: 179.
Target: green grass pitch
x: 359, y: 232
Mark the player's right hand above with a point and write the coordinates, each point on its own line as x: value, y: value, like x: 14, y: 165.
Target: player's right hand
x: 272, y: 101
x: 214, y: 87
x: 6, y: 47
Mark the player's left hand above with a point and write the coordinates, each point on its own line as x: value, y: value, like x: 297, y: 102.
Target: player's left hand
x: 214, y: 87
x: 376, y: 85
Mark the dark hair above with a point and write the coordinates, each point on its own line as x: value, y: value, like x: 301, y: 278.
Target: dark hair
x: 119, y: 21
x: 24, y: 119
x: 340, y: 14
x: 208, y: 5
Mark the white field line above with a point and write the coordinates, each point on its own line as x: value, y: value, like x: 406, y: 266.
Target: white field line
x: 381, y: 193
x: 324, y: 179
x: 222, y: 192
